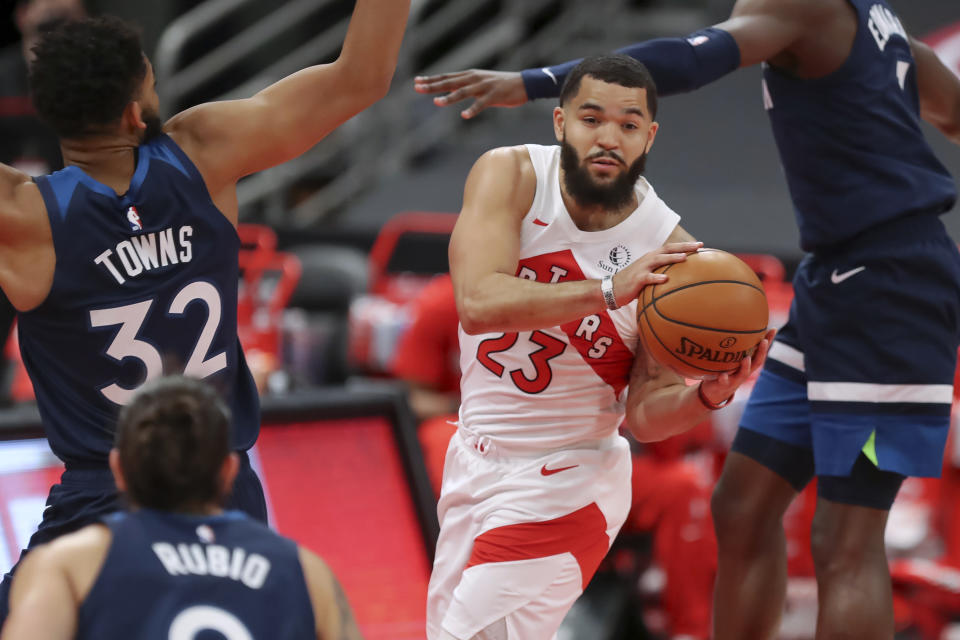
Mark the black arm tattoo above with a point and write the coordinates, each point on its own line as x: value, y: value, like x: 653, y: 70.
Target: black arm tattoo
x: 348, y: 624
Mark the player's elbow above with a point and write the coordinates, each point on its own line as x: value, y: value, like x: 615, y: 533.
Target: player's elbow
x: 475, y: 316
x: 380, y: 84
x: 372, y: 84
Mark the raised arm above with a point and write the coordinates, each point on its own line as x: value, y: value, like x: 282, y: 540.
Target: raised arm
x: 485, y: 252
x: 757, y: 30
x: 231, y: 139
x: 939, y: 91
x: 331, y: 612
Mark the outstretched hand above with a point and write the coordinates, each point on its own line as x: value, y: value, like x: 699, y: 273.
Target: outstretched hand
x: 487, y: 88
x: 726, y: 384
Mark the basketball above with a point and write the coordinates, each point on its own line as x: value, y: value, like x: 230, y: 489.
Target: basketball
x: 709, y: 315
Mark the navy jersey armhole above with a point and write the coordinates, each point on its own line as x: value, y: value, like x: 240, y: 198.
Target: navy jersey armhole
x: 191, y: 169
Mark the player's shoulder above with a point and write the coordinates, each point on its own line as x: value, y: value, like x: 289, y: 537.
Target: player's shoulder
x: 514, y: 159
x: 70, y: 551
x: 800, y: 12
x: 508, y: 171
x: 13, y: 179
x: 92, y: 539
x: 20, y: 200
x: 317, y: 574
x: 313, y: 565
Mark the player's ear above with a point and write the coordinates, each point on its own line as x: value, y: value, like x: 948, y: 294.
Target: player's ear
x: 228, y: 472
x: 651, y: 135
x: 558, y: 120
x: 118, y: 478
x: 133, y: 116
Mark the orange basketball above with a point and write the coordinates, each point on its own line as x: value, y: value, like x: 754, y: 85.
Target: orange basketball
x: 706, y: 318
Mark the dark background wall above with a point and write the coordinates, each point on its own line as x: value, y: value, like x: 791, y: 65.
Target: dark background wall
x: 714, y: 161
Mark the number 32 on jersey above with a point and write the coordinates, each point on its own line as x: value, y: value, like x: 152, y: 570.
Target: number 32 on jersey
x: 127, y: 344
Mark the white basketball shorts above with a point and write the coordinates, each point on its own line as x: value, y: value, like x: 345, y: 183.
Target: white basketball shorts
x: 521, y: 536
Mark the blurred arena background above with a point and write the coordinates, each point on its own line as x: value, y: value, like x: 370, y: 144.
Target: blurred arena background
x: 331, y: 271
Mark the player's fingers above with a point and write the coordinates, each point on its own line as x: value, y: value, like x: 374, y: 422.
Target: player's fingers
x: 442, y: 87
x: 742, y: 373
x: 760, y: 355
x: 660, y: 259
x: 478, y: 105
x: 455, y: 96
x: 440, y: 83
x: 681, y: 247
x: 654, y: 278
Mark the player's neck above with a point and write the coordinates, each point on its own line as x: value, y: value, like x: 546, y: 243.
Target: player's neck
x: 200, y: 509
x: 110, y: 160
x: 595, y: 217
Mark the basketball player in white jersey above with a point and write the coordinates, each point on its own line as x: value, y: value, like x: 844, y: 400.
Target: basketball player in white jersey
x: 548, y: 257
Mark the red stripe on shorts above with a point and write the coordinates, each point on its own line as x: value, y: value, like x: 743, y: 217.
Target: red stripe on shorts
x: 605, y: 351
x: 582, y: 533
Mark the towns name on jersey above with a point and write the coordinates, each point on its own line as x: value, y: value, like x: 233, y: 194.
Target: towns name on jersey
x: 213, y: 560
x: 142, y: 253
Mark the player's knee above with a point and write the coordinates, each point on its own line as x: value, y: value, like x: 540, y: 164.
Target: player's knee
x: 838, y: 550
x: 730, y: 514
x: 739, y: 520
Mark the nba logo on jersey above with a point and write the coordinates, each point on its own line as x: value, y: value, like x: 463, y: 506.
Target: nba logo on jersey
x: 134, y: 218
x: 205, y: 533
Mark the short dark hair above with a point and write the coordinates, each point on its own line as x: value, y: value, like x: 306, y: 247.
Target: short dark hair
x: 173, y: 438
x: 84, y: 74
x: 614, y: 68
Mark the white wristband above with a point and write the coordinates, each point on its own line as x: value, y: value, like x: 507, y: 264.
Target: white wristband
x: 606, y: 288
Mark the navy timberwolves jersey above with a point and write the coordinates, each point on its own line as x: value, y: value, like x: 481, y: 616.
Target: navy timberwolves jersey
x: 851, y: 142
x: 171, y: 576
x: 145, y: 284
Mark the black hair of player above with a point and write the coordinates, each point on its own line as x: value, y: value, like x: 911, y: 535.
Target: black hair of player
x: 614, y: 68
x: 173, y: 438
x: 84, y: 74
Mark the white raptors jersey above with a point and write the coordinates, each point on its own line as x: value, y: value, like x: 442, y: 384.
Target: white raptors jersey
x: 560, y: 386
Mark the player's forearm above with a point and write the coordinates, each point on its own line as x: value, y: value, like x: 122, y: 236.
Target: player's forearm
x: 308, y: 104
x: 498, y: 302
x: 666, y: 412
x: 678, y: 65
x: 372, y: 45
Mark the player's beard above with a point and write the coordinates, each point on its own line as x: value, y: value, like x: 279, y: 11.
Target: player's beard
x: 586, y: 191
x: 154, y: 127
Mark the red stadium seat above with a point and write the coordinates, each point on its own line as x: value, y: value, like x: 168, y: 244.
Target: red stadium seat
x: 768, y: 268
x: 409, y: 250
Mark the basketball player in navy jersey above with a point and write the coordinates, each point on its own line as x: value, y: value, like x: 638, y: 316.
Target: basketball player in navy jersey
x: 857, y: 386
x: 123, y: 265
x: 176, y: 565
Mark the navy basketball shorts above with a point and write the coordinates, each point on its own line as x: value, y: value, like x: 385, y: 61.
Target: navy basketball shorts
x: 863, y: 370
